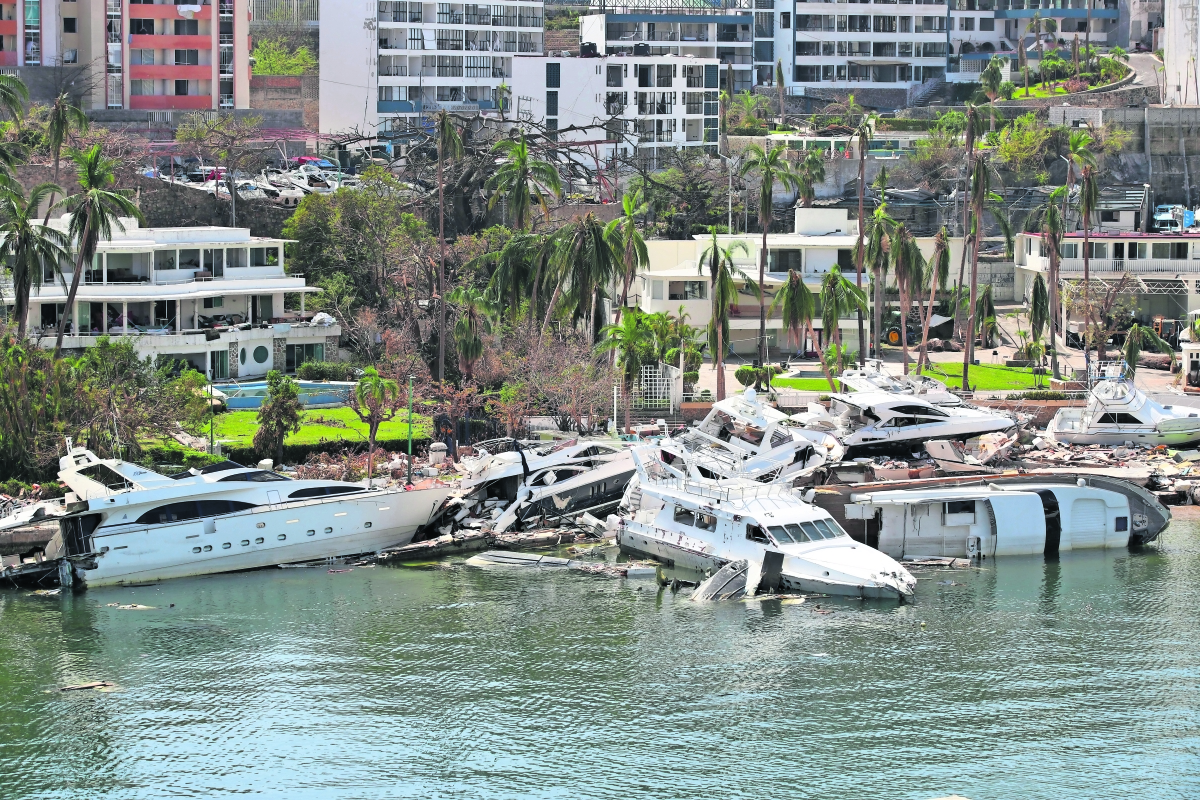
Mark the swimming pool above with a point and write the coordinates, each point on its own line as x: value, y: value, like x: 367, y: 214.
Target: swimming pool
x: 241, y: 396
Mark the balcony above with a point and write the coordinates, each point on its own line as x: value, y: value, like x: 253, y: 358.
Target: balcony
x: 8, y: 27
x: 168, y: 102
x: 395, y: 107
x: 1100, y: 267
x: 1055, y: 9
x: 160, y: 42
x: 181, y: 72
x: 734, y: 59
x: 8, y: 58
x: 165, y: 12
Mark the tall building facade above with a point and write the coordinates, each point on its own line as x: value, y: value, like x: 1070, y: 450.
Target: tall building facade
x: 385, y: 63
x: 154, y: 56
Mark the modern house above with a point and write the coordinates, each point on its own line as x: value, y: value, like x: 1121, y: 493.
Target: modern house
x: 823, y: 238
x: 387, y: 63
x: 214, y: 297
x: 619, y: 104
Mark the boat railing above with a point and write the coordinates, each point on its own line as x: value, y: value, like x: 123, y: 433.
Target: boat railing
x: 1107, y: 371
x: 715, y: 492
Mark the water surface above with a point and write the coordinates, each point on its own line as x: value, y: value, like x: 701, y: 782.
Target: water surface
x: 1024, y: 679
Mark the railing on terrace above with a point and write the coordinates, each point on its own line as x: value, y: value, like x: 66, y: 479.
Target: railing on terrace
x: 1134, y: 266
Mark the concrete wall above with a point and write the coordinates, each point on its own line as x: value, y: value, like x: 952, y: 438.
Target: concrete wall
x: 290, y: 93
x: 1180, y: 41
x: 349, y: 58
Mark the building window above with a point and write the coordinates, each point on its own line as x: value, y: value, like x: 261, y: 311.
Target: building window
x: 186, y: 27
x: 183, y: 88
x: 68, y: 24
x: 71, y: 56
x: 966, y: 23
x: 186, y: 58
x: 687, y: 290
x: 552, y: 103
x: 552, y: 129
x: 785, y: 20
x: 139, y: 88
x: 553, y: 75
x: 987, y: 24
x: 141, y: 27
x: 141, y: 56
x: 764, y: 51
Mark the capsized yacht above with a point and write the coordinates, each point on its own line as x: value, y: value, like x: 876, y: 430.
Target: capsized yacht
x: 128, y: 524
x: 985, y: 520
x: 673, y: 514
x: 501, y: 468
x: 876, y: 421
x: 1118, y: 411
x: 742, y: 437
x: 872, y: 377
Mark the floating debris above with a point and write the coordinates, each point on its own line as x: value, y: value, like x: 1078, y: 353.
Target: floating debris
x: 81, y: 686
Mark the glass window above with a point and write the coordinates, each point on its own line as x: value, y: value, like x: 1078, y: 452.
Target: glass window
x: 798, y: 534
x: 813, y: 532
x: 189, y: 259
x: 779, y: 533
x: 684, y: 516
x: 706, y: 522
x: 263, y: 256
x: 235, y: 258
x: 553, y: 75
x: 656, y: 290
x: 831, y: 528
x: 687, y: 290
x: 164, y: 259
x: 257, y: 476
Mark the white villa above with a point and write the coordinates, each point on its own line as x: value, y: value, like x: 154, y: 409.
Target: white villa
x: 211, y: 296
x: 823, y: 238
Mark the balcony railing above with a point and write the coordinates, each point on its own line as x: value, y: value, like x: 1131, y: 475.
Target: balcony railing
x: 1118, y: 266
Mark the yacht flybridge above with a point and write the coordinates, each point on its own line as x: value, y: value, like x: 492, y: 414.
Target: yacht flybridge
x: 877, y: 421
x: 130, y: 524
x: 673, y: 514
x: 1117, y: 411
x: 872, y: 377
x: 742, y: 437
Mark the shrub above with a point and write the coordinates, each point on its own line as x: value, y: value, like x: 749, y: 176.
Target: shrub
x: 172, y: 454
x: 746, y: 375
x: 327, y: 371
x: 46, y: 491
x: 706, y: 395
x: 691, y: 378
x: 1042, y: 394
x: 1007, y: 89
x: 1075, y: 85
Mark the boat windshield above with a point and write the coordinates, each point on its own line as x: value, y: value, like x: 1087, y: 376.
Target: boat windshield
x: 814, y: 531
x: 257, y: 476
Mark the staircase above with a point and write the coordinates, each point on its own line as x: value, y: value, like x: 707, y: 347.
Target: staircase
x: 930, y: 93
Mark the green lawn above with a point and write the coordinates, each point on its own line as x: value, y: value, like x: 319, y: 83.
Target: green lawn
x: 1037, y: 91
x: 803, y: 384
x: 984, y: 377
x: 236, y: 428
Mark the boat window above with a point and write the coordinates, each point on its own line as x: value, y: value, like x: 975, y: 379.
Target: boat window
x: 830, y: 528
x: 322, y: 491
x: 960, y: 507
x: 1118, y: 419
x: 684, y: 516
x: 755, y: 534
x: 706, y: 522
x: 257, y: 476
x: 191, y: 509
x: 798, y: 534
x: 106, y: 476
x: 779, y: 437
x: 222, y: 466
x: 778, y: 532
x: 813, y: 531
x: 926, y: 411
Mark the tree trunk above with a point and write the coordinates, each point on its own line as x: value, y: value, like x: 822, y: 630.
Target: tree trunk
x: 962, y: 261
x: 719, y: 359
x: 537, y: 279
x: 904, y: 308
x: 762, y: 297
x: 49, y: 204
x: 863, y: 352
x: 441, y: 281
x: 68, y: 312
x: 625, y: 389
x: 1054, y: 310
x: 1087, y: 289
x: 550, y: 308
x: 821, y: 355
x: 923, y: 353
x: 371, y: 453
x: 877, y: 294
x: 969, y: 349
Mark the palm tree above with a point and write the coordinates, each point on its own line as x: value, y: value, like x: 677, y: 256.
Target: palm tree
x: 839, y: 297
x: 629, y: 243
x: 939, y: 276
x: 62, y: 118
x: 449, y: 147
x: 511, y: 266
x: 1139, y: 338
x: 980, y: 194
x: 986, y: 314
x: 27, y: 246
x: 502, y: 93
x: 1089, y: 198
x: 909, y: 266
x: 631, y: 340
x: 13, y: 97
x: 810, y: 172
x: 1035, y: 27
x: 475, y: 313
x: 876, y: 254
x: 748, y: 104
x: 376, y: 401
x: 772, y: 167
x: 1039, y: 308
x: 991, y: 78
x: 797, y: 304
x: 1047, y: 219
x: 94, y: 213
x: 1075, y: 54
x: 970, y: 135
x: 722, y: 294
x: 522, y: 180
x: 780, y: 85
x: 863, y: 132
x: 583, y: 259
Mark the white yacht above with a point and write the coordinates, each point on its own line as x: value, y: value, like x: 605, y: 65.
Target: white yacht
x: 742, y: 437
x: 1026, y: 518
x: 876, y: 421
x: 1117, y: 411
x: 872, y: 377
x: 674, y: 515
x: 128, y: 524
x: 502, y: 468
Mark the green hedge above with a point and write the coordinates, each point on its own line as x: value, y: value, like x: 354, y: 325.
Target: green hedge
x: 299, y: 453
x: 327, y: 371
x: 49, y: 489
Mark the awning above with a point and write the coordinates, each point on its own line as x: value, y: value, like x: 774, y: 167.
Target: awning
x: 938, y: 319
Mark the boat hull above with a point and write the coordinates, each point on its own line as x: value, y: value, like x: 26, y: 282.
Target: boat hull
x: 678, y: 550
x: 1064, y: 427
x: 263, y: 537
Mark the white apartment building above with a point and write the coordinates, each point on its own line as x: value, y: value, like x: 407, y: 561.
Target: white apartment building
x: 822, y: 239
x: 211, y: 296
x: 621, y: 103
x: 385, y: 63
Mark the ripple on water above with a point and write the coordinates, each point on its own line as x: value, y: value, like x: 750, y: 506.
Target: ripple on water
x: 1029, y: 679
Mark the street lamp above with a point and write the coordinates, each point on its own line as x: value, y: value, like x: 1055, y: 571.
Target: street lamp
x: 410, y: 392
x: 729, y: 160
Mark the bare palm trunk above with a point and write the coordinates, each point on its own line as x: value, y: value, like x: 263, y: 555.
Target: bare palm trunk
x: 533, y: 301
x: 1053, y: 299
x: 762, y: 297
x: 626, y: 390
x: 1087, y: 288
x: 863, y: 352
x: 50, y: 202
x: 923, y: 353
x: 821, y: 355
x: 550, y: 308
x: 68, y: 312
x: 969, y: 349
x: 904, y: 308
x: 719, y: 359
x: 962, y: 266
x: 441, y: 355
x: 370, y: 456
x: 878, y: 318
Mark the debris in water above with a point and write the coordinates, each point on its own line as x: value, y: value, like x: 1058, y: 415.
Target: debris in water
x: 92, y: 685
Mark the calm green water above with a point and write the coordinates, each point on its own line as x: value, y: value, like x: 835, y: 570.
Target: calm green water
x: 1075, y: 679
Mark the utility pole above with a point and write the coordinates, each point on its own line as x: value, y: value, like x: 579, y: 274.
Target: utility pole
x: 410, y: 392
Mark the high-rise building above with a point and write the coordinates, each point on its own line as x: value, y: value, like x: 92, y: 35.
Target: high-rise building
x: 385, y: 63
x: 154, y: 56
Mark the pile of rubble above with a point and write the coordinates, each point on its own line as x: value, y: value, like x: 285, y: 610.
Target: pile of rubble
x: 1173, y: 475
